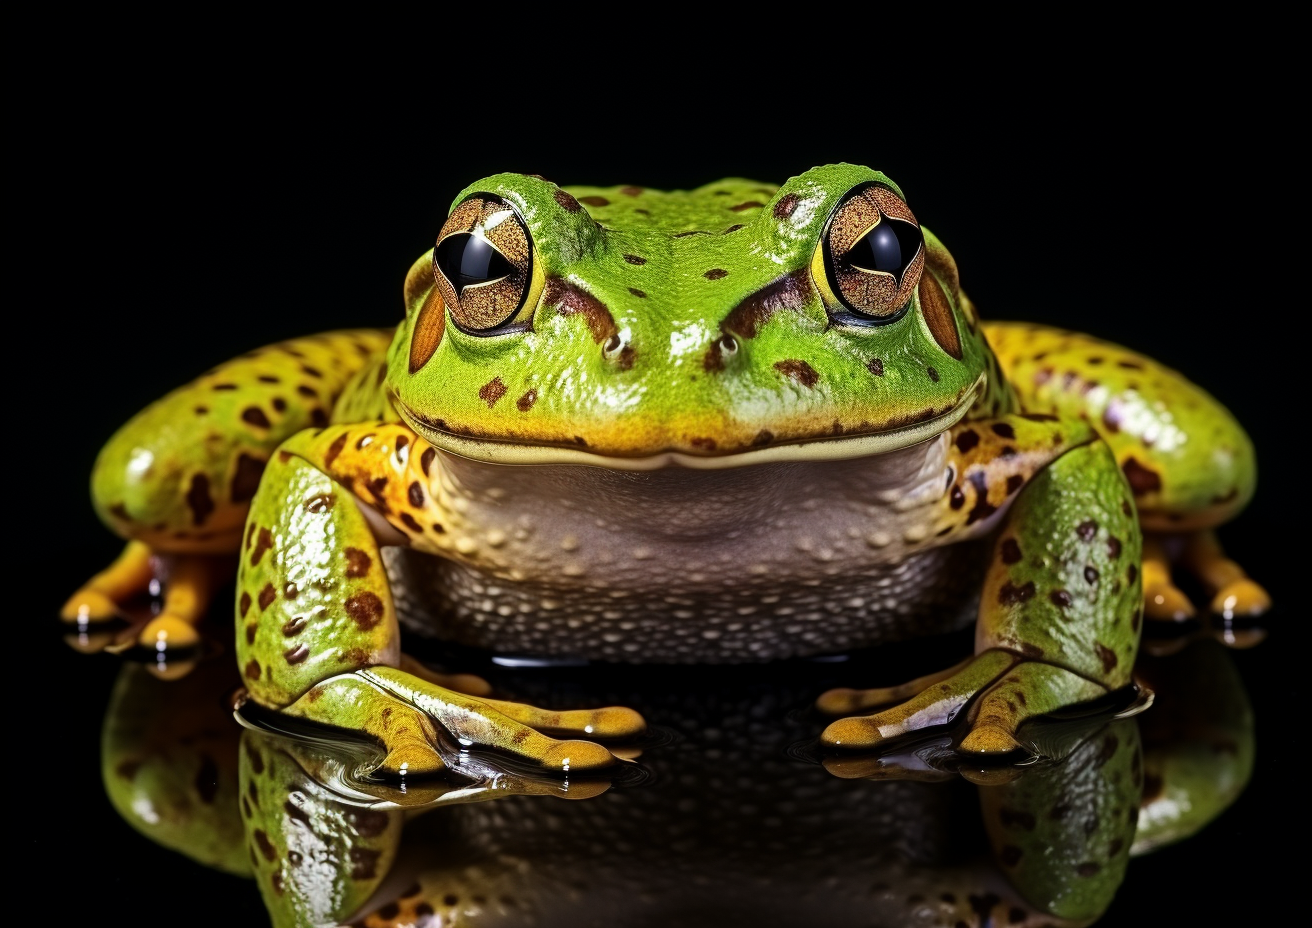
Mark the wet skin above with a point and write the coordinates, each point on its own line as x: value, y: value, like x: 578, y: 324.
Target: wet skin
x: 758, y: 422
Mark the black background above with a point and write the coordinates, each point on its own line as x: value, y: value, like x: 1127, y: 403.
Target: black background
x: 180, y: 207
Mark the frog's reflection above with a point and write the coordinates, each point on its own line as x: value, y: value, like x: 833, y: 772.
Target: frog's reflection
x: 729, y: 829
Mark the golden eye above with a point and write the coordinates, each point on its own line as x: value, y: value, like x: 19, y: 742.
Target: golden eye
x: 483, y: 264
x: 873, y: 254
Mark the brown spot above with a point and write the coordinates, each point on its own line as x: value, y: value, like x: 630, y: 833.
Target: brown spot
x: 252, y: 669
x: 1010, y: 855
x: 1011, y: 551
x: 956, y: 499
x: 638, y: 293
x: 1132, y: 574
x: 198, y: 499
x: 119, y: 511
x: 784, y: 208
x: 1113, y: 547
x: 982, y: 508
x: 263, y: 542
x: 265, y: 845
x: 251, y: 629
x: 933, y: 374
x: 733, y: 228
x: 1086, y: 530
x: 573, y: 301
x: 492, y: 391
x: 1090, y: 575
x: 1003, y: 430
x: 297, y: 654
x: 1011, y: 595
x: 279, y: 404
x: 800, y: 371
x: 402, y: 442
x: 763, y: 437
x: 364, y: 862
x: 750, y: 204
x: 426, y: 459
x: 365, y: 610
x: 411, y: 523
x: 415, y: 494
x: 246, y: 478
x: 1106, y: 655
x: 267, y: 596
x: 307, y: 391
x: 966, y: 440
x: 1088, y: 868
x: 631, y: 191
x: 1142, y: 479
x: 704, y: 444
x: 787, y: 293
x: 594, y: 201
x: 1014, y: 483
x: 1126, y: 510
x: 201, y: 410
x: 255, y: 416
x: 318, y: 418
x: 253, y: 755
x: 1060, y: 598
x: 875, y: 366
x: 378, y: 487
x: 244, y: 604
x: 634, y: 259
x: 285, y: 457
x: 357, y: 562
x: 566, y: 201
x: 294, y: 626
x: 334, y: 449
x: 224, y: 386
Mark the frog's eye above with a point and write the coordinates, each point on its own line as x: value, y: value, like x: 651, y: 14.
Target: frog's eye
x: 483, y: 265
x: 873, y: 255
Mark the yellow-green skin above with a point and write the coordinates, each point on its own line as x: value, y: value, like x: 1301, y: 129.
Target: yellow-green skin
x: 691, y: 329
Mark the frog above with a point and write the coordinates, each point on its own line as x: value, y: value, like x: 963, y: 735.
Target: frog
x: 741, y: 423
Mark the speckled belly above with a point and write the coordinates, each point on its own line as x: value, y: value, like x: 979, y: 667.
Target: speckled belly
x: 674, y: 618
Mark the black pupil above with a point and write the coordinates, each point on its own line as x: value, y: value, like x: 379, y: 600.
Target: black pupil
x: 468, y: 259
x: 890, y: 247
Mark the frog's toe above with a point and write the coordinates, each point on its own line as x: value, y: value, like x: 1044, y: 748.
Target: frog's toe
x: 1243, y: 598
x: 168, y: 633
x: 935, y: 705
x: 416, y: 720
x: 89, y: 605
x: 1028, y: 690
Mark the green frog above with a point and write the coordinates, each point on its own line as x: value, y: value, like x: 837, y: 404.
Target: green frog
x: 739, y: 423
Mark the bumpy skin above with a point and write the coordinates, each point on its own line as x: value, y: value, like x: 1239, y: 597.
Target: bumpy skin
x: 685, y: 332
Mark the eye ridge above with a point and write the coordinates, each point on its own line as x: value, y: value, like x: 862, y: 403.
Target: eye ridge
x: 464, y: 266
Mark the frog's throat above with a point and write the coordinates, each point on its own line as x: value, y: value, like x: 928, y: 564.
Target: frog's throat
x: 818, y: 449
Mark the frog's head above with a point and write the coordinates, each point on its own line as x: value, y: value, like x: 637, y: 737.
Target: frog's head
x: 727, y: 325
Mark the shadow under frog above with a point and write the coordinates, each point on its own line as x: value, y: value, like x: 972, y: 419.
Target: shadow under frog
x: 728, y: 828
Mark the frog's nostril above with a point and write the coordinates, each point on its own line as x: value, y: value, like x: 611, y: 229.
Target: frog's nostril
x: 727, y: 344
x: 617, y: 350
x: 612, y: 345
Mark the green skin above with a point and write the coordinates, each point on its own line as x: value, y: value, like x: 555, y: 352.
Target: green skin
x: 695, y: 329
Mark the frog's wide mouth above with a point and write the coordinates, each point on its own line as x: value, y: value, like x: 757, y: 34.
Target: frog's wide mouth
x: 819, y: 448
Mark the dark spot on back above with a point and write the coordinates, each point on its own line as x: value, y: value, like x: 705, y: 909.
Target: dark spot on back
x: 334, y: 449
x: 1090, y: 575
x: 224, y: 386
x: 263, y: 542
x: 492, y: 391
x: 198, y: 499
x: 634, y: 259
x: 1014, y: 483
x: 297, y: 654
x: 255, y: 416
x: 321, y: 502
x: 1060, y: 598
x: 244, y: 604
x: 933, y: 374
x: 1142, y: 479
x: 357, y: 562
x: 594, y: 201
x: 246, y: 478
x: 716, y: 273
x: 966, y: 440
x: 426, y: 459
x: 763, y: 437
x: 1106, y: 655
x: 1086, y: 530
x: 1003, y: 430
x: 267, y: 596
x: 875, y: 366
x: 367, y: 823
x: 1011, y: 551
x: 252, y: 669
x: 415, y: 494
x: 411, y: 523
x: 1113, y: 547
x: 956, y: 499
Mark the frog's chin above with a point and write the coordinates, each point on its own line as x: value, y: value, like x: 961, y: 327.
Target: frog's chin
x: 819, y: 449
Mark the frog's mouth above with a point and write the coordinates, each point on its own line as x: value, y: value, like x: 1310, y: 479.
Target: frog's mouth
x: 820, y: 448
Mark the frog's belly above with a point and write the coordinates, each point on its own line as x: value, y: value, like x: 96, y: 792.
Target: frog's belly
x: 672, y: 619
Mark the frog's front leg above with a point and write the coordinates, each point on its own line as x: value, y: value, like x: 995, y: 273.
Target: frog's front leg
x: 1189, y: 463
x: 1060, y: 610
x: 317, y: 634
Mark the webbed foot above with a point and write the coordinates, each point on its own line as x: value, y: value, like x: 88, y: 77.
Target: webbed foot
x: 997, y: 689
x: 416, y: 720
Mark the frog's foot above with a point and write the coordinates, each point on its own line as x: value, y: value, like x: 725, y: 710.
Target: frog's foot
x: 102, y: 598
x: 415, y: 720
x: 1234, y: 595
x: 1235, y: 600
x: 998, y: 689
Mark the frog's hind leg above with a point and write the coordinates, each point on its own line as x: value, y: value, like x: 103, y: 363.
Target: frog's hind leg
x: 178, y: 478
x: 1189, y: 463
x: 317, y: 634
